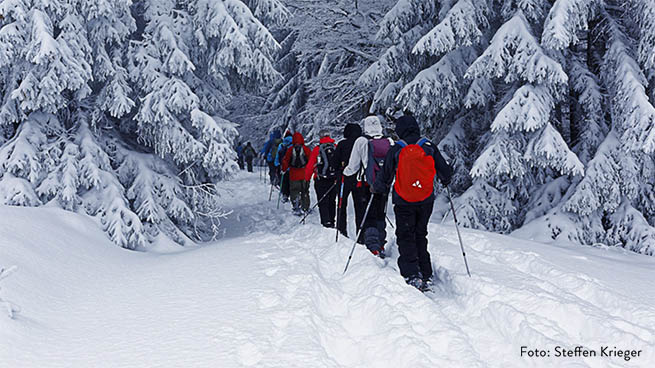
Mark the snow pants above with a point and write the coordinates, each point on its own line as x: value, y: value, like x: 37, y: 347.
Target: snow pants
x: 249, y: 162
x: 284, y: 186
x: 299, y: 194
x: 360, y: 200
x: 375, y: 232
x: 273, y: 173
x: 412, y: 239
x: 326, y: 207
x: 240, y: 162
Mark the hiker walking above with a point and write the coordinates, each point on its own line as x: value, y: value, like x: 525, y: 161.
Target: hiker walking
x: 413, y: 162
x: 240, y: 156
x: 358, y: 165
x: 324, y: 167
x: 281, y: 151
x: 371, y: 150
x: 249, y: 154
x: 268, y: 153
x: 347, y: 184
x: 295, y: 160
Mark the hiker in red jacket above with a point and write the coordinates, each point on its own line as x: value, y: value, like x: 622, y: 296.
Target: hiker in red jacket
x: 296, y: 160
x: 324, y: 167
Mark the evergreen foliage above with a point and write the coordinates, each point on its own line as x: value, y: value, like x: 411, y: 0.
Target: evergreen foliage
x: 112, y: 108
x: 550, y: 101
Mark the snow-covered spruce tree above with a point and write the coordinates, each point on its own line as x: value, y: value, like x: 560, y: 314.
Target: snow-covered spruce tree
x: 110, y: 108
x: 326, y: 46
x: 431, y: 45
x: 545, y: 102
x: 614, y: 200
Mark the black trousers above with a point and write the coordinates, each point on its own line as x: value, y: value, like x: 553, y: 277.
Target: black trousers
x: 327, y: 207
x: 273, y: 173
x: 412, y: 239
x: 249, y: 162
x: 284, y: 186
x: 360, y: 200
x: 375, y: 233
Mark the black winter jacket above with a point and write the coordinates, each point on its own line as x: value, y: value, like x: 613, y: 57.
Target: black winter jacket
x: 407, y: 129
x: 351, y: 132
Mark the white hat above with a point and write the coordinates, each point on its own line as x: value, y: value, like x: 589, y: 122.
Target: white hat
x: 372, y: 126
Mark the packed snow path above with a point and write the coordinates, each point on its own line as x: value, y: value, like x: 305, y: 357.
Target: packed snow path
x: 271, y: 293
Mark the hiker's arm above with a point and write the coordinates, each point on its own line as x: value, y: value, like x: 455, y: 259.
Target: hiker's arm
x: 385, y: 177
x: 444, y: 171
x: 309, y: 169
x: 357, y: 156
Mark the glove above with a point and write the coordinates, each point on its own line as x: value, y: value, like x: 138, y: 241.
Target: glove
x: 446, y: 182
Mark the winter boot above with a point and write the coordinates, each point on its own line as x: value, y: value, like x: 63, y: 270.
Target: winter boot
x: 416, y: 282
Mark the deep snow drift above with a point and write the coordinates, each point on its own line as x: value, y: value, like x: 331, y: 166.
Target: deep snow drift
x: 272, y: 294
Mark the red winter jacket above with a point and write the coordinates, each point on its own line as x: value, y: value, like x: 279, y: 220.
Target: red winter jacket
x: 295, y: 174
x: 310, y: 169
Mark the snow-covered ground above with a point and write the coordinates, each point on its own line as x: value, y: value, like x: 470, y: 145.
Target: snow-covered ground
x: 272, y: 293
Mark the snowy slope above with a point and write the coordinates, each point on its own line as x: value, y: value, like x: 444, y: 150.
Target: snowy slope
x: 272, y: 294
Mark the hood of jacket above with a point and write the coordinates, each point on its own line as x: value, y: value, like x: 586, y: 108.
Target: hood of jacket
x: 326, y: 139
x: 298, y: 139
x: 287, y: 141
x: 372, y: 126
x: 407, y: 129
x: 352, y: 131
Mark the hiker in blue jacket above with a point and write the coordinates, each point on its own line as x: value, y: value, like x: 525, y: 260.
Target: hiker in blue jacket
x: 281, y: 151
x: 270, y: 148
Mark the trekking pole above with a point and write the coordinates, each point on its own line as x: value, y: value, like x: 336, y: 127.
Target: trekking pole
x: 386, y: 201
x: 339, y: 208
x: 358, y: 232
x: 270, y: 194
x: 319, y: 201
x: 389, y: 221
x: 452, y: 207
x: 280, y: 192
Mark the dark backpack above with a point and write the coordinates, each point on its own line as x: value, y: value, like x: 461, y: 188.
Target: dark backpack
x: 274, y: 148
x: 327, y: 163
x: 298, y: 157
x: 415, y: 173
x: 249, y: 152
x: 377, y: 151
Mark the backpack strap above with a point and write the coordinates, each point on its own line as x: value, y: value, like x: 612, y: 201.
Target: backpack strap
x: 402, y: 143
x: 422, y: 141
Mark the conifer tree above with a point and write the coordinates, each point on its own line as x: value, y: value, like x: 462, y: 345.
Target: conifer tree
x: 118, y: 121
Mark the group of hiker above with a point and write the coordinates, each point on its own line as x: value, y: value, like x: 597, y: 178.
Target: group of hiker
x: 365, y: 165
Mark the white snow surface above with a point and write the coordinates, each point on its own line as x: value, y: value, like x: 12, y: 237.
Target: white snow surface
x: 272, y: 293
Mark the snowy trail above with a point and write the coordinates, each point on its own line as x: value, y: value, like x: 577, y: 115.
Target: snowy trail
x: 272, y: 294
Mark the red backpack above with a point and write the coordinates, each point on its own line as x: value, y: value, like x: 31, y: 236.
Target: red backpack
x: 415, y: 172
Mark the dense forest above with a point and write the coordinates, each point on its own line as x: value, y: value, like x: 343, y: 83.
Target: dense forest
x: 128, y: 111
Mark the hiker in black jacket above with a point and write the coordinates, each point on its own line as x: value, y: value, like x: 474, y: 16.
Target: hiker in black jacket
x: 412, y: 216
x: 351, y: 132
